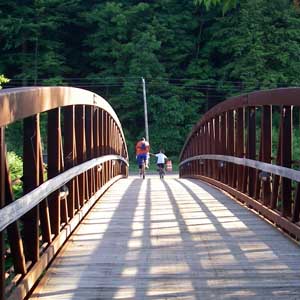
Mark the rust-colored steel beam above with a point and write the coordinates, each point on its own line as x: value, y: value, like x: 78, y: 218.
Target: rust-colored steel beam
x: 266, y: 133
x: 96, y: 139
x: 70, y: 155
x: 230, y: 145
x: 296, y: 211
x: 44, y: 207
x: 286, y: 159
x: 54, y: 165
x: 2, y: 203
x: 239, y: 145
x: 222, y: 165
x: 89, y: 131
x: 31, y: 178
x: 251, y: 151
x: 237, y: 137
x: 13, y: 233
x: 81, y: 149
x: 276, y: 178
x: 90, y: 146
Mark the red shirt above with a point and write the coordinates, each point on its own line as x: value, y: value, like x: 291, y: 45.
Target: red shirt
x: 139, y: 148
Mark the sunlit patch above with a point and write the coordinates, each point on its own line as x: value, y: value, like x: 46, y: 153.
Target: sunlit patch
x: 233, y: 225
x: 137, y: 233
x: 166, y: 241
x: 125, y: 292
x: 256, y: 256
x: 202, y: 228
x: 254, y: 246
x: 175, y: 268
x: 194, y: 215
x: 134, y: 243
x: 240, y: 294
x: 201, y: 221
x: 165, y: 287
x: 163, y: 217
x: 129, y: 272
x: 157, y: 225
x: 137, y: 225
x: 165, y: 231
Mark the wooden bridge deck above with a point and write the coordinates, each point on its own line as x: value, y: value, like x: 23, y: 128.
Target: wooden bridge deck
x: 176, y: 239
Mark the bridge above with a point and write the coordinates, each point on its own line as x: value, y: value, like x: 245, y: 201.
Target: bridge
x: 226, y: 228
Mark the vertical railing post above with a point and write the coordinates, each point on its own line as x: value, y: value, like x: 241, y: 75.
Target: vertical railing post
x: 239, y: 145
x: 89, y: 146
x: 217, y: 146
x: 54, y: 166
x: 69, y: 154
x: 198, y: 151
x: 223, y: 147
x: 230, y: 145
x: 31, y: 176
x: 2, y: 203
x: 44, y: 207
x: 251, y: 145
x: 81, y: 149
x: 96, y: 138
x: 266, y: 133
x: 286, y: 159
x: 212, y: 146
x: 276, y: 178
x: 13, y: 233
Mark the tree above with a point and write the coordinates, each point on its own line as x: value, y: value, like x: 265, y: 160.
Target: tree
x: 31, y: 46
x: 226, y: 4
x: 261, y: 49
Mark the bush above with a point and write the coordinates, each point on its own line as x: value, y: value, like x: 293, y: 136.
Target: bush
x: 15, y: 165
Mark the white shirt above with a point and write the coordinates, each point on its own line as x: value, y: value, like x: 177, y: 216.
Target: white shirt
x: 161, y: 158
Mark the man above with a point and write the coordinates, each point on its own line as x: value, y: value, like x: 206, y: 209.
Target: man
x: 142, y: 149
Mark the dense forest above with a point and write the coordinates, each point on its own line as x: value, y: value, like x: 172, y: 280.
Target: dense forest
x: 192, y: 54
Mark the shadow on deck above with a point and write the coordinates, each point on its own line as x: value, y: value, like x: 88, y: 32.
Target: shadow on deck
x: 172, y: 239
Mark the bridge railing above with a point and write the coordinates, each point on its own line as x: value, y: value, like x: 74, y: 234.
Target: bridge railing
x: 85, y: 153
x: 249, y: 147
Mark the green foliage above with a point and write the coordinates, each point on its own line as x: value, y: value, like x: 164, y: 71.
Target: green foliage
x: 226, y: 4
x: 191, y: 56
x: 3, y: 80
x: 15, y: 165
x: 14, y: 138
x: 262, y: 40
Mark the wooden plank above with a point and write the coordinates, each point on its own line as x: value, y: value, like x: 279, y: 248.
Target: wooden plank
x: 178, y: 239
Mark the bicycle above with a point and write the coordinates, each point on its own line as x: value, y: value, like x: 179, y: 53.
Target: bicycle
x: 142, y: 171
x: 161, y: 172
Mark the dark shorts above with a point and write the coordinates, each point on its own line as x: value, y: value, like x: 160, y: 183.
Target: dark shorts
x: 161, y: 165
x: 140, y: 159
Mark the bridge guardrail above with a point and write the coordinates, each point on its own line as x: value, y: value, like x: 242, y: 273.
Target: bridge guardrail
x: 86, y: 153
x: 247, y: 146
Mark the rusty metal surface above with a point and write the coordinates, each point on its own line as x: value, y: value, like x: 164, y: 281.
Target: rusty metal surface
x: 282, y: 96
x: 19, y: 103
x: 240, y: 152
x: 76, y: 160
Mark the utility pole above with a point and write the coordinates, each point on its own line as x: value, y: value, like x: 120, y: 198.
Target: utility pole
x: 145, y: 109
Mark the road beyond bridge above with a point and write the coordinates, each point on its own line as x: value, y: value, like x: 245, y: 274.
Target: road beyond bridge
x: 172, y: 239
